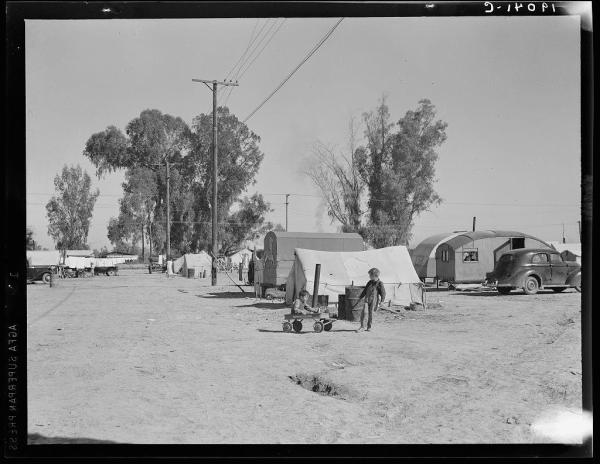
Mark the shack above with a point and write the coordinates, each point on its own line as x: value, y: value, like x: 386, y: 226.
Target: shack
x: 568, y: 251
x: 279, y: 251
x: 468, y: 256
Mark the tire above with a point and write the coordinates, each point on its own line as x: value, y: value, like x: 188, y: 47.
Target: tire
x: 46, y: 277
x: 504, y: 290
x: 531, y: 286
x: 287, y: 327
x: 318, y: 327
x: 558, y: 289
x: 110, y: 272
x: 297, y: 326
x: 328, y: 326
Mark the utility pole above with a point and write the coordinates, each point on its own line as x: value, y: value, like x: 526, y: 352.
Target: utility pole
x: 474, y: 219
x: 579, y: 223
x: 287, y: 195
x: 214, y: 196
x: 168, y: 215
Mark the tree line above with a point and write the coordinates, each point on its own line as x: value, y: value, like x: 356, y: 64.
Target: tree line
x: 376, y: 187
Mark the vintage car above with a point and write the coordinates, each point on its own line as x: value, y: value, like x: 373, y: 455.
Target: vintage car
x: 43, y: 273
x: 532, y: 269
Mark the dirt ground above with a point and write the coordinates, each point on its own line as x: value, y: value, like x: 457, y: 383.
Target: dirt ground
x: 140, y: 358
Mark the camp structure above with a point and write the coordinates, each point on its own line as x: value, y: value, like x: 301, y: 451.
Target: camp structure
x: 279, y: 251
x: 241, y: 257
x: 568, y: 251
x: 467, y: 257
x: 423, y: 256
x: 196, y: 263
x: 340, y: 269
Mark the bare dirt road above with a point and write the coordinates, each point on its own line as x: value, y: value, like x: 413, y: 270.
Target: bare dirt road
x: 140, y: 358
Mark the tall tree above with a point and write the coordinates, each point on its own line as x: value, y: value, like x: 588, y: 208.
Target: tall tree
x: 400, y: 168
x: 152, y: 135
x: 70, y: 210
x: 29, y: 241
x: 338, y: 178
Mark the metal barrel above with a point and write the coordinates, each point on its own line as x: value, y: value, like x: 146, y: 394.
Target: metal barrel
x: 353, y: 307
x: 341, y: 306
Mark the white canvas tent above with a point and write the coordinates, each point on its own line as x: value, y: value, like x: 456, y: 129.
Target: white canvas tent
x: 198, y: 261
x: 240, y: 256
x: 340, y: 268
x: 178, y: 264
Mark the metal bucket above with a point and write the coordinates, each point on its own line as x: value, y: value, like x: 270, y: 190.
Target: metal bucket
x: 353, y: 308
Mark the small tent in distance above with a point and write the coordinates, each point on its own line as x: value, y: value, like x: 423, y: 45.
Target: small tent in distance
x: 340, y: 268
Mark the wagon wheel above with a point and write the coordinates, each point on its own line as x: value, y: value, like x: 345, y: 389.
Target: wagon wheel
x: 287, y: 327
x: 318, y: 326
x: 328, y: 325
x: 297, y: 325
x: 531, y: 286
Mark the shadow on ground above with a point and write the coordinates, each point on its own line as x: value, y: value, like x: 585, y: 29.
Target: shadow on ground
x: 265, y: 306
x: 227, y: 295
x: 37, y: 439
x: 498, y: 294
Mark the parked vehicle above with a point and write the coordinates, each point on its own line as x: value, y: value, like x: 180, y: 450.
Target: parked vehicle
x: 107, y: 270
x: 43, y: 273
x: 533, y: 269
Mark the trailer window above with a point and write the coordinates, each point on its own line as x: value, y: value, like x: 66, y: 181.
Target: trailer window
x: 470, y: 256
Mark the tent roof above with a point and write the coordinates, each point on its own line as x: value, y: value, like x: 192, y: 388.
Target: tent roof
x: 341, y: 268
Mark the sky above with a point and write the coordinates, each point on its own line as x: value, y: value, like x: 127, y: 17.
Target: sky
x: 508, y: 88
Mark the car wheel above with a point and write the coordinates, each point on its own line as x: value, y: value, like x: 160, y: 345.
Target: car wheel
x: 531, y: 286
x: 558, y: 289
x: 318, y: 327
x: 110, y: 273
x: 504, y: 290
x: 46, y: 277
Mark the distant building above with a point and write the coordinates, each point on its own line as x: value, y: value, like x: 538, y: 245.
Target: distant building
x: 568, y: 251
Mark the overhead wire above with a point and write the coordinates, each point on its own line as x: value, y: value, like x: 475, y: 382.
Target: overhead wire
x: 241, y: 73
x: 306, y: 58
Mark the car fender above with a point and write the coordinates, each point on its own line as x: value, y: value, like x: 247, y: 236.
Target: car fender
x: 574, y: 279
x: 520, y: 278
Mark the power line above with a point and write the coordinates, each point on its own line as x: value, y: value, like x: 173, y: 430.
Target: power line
x: 311, y: 53
x: 239, y: 76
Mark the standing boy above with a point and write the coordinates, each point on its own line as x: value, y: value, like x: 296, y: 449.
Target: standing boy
x: 373, y: 294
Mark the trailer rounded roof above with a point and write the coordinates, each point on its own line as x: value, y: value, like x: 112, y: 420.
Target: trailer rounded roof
x: 466, y: 237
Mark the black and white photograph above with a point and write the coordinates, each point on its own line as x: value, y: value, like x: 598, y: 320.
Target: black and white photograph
x: 321, y: 229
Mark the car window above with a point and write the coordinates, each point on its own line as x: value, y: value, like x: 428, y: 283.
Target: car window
x: 540, y: 258
x: 556, y: 258
x: 506, y: 258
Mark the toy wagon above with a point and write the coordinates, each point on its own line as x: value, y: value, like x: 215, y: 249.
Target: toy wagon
x: 323, y: 321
